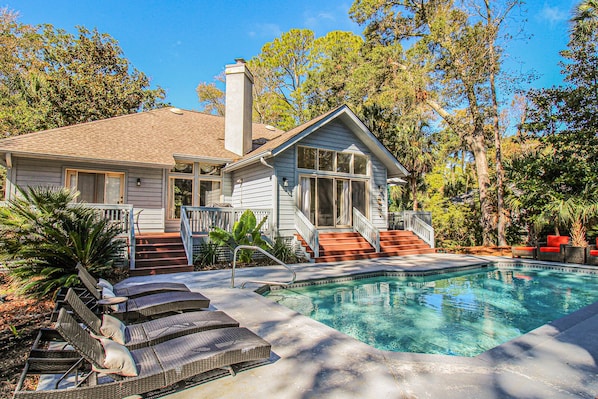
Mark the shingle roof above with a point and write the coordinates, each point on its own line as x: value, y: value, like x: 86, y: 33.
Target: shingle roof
x: 150, y: 138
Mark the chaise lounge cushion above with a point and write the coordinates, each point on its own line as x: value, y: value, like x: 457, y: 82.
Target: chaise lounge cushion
x: 118, y: 359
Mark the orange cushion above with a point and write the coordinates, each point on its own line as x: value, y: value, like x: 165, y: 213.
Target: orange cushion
x: 555, y: 241
x: 550, y: 249
x: 594, y: 252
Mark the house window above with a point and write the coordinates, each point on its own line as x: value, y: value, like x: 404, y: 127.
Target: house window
x: 360, y: 165
x: 209, y: 192
x: 325, y: 160
x: 343, y: 162
x: 193, y: 184
x: 331, y: 161
x: 181, y: 194
x: 306, y: 158
x: 96, y: 187
x: 182, y: 167
x: 211, y: 170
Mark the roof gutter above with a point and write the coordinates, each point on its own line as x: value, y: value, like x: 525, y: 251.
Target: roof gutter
x: 245, y: 162
x: 88, y: 160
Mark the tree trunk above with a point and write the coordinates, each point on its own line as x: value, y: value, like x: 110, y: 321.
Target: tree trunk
x: 475, y: 141
x: 500, y: 202
x: 413, y: 188
x: 478, y: 147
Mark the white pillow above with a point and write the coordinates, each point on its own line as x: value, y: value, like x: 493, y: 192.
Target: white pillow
x: 113, y: 328
x: 105, y: 284
x: 118, y: 359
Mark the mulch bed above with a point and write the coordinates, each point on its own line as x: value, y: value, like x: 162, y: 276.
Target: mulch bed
x: 21, y: 319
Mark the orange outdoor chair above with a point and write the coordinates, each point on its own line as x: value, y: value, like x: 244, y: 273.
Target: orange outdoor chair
x: 554, y: 249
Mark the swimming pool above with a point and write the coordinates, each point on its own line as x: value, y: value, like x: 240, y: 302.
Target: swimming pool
x: 461, y: 313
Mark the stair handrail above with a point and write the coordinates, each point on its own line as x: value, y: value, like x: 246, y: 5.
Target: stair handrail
x: 366, y: 229
x: 186, y: 235
x: 413, y: 222
x: 132, y: 240
x: 275, y: 259
x: 308, y: 231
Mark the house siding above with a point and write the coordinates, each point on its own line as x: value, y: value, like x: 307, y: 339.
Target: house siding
x: 256, y: 189
x: 29, y: 172
x: 285, y: 165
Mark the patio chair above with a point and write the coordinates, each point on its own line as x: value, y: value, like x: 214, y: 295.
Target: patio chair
x: 554, y: 250
x: 131, y: 291
x: 117, y: 372
x: 152, y: 332
x: 592, y: 254
x: 524, y: 252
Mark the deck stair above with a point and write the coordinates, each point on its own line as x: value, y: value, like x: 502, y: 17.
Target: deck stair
x: 341, y: 246
x: 159, y: 253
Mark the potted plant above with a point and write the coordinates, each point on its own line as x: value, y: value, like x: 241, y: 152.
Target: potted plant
x: 576, y: 211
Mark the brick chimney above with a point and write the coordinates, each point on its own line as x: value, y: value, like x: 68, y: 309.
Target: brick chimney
x: 239, y: 107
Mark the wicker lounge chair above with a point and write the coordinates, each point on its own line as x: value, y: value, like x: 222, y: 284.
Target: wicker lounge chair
x: 152, y: 332
x: 130, y: 291
x: 592, y: 253
x: 147, y: 306
x: 151, y: 368
x: 554, y: 249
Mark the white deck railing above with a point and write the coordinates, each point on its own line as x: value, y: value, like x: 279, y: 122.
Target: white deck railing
x: 363, y: 226
x: 308, y: 231
x: 121, y: 215
x: 413, y: 222
x: 202, y: 218
x: 187, y: 235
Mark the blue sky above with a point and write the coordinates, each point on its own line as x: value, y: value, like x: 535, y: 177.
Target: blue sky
x: 179, y: 44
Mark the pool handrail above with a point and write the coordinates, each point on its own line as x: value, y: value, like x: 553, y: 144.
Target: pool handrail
x: 252, y: 247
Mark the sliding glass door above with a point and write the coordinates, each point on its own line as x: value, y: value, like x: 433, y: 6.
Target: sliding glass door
x: 329, y: 201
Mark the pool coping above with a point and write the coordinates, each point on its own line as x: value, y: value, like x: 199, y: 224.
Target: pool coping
x: 558, y: 359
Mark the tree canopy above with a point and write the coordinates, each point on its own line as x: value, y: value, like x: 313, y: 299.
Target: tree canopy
x: 50, y: 78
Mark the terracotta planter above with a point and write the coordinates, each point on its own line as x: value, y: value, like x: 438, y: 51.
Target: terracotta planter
x: 575, y: 255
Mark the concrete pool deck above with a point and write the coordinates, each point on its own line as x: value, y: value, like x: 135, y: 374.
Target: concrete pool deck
x: 311, y: 360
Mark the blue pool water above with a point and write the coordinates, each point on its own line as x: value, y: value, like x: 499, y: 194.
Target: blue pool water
x: 462, y: 313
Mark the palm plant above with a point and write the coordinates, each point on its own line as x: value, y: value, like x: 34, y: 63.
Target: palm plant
x: 44, y: 234
x: 577, y: 211
x: 245, y: 231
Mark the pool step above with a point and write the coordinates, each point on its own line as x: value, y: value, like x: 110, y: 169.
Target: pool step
x: 341, y: 246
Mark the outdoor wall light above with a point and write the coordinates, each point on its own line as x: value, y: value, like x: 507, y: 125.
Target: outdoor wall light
x: 285, y: 182
x: 240, y: 181
x: 139, y: 182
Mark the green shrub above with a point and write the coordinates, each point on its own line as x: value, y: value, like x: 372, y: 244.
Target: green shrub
x: 44, y: 234
x: 246, y: 231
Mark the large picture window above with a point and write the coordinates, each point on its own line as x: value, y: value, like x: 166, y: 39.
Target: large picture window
x: 96, y: 187
x: 332, y: 161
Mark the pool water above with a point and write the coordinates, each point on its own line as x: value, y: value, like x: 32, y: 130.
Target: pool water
x: 462, y: 313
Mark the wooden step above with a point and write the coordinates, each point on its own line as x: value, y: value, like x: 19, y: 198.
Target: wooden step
x: 145, y: 271
x: 160, y: 254
x: 342, y: 246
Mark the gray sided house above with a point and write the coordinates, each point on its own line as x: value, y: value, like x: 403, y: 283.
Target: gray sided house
x: 165, y: 165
